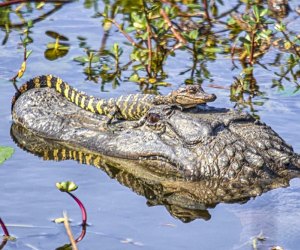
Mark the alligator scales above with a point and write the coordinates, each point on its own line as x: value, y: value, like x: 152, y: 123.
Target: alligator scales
x: 127, y: 107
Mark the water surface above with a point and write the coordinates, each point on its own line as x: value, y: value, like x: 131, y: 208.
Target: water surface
x: 119, y: 218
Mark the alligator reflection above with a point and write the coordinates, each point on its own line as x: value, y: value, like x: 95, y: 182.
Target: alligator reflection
x: 185, y: 200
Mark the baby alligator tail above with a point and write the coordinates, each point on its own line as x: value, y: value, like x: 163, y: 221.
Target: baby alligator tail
x: 90, y: 103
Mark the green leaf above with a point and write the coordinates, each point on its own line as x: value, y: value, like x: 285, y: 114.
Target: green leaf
x: 244, y: 40
x: 116, y: 10
x: 194, y: 6
x: 28, y: 53
x: 5, y: 153
x: 280, y: 27
x: 162, y: 83
x: 213, y: 49
x: 81, y: 59
x: 134, y: 78
x: 193, y: 34
x: 138, y: 67
x: 129, y: 29
x: 256, y: 12
x: 138, y: 25
x: 263, y: 12
x: 248, y: 70
x: 258, y: 103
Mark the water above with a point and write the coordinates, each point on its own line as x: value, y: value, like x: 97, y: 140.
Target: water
x: 118, y: 217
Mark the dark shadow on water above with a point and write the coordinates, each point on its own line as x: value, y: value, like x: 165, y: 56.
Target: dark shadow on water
x: 184, y: 200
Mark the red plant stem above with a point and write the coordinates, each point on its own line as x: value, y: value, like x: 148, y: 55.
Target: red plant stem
x: 81, y: 236
x: 206, y: 11
x: 129, y: 38
x: 82, y: 208
x: 4, y: 228
x: 25, y: 1
x: 177, y: 35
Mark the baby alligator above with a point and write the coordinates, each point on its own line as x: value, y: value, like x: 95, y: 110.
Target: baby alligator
x: 127, y: 107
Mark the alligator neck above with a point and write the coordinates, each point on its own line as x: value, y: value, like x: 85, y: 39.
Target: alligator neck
x: 162, y: 99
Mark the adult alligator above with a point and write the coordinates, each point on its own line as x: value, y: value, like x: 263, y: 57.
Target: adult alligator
x: 183, y: 144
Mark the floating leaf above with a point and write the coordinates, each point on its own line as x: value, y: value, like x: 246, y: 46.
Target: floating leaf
x: 5, y: 153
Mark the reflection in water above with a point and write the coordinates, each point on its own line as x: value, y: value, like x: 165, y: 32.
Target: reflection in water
x: 56, y: 49
x: 185, y: 200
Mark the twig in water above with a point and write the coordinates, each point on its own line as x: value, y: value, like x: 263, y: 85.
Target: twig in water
x: 69, y: 232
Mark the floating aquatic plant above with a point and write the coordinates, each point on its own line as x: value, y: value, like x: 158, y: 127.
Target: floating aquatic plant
x: 69, y: 187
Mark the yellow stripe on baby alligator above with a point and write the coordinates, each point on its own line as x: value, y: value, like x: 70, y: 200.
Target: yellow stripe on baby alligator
x: 37, y: 83
x: 82, y: 102
x: 73, y: 95
x: 76, y: 98
x: 58, y: 85
x: 66, y: 91
x: 119, y: 100
x: 90, y: 105
x: 99, y: 107
x: 130, y: 109
x: 125, y: 107
x: 49, y: 77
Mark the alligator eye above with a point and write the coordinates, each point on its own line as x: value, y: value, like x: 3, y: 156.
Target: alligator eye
x: 153, y: 118
x: 192, y: 89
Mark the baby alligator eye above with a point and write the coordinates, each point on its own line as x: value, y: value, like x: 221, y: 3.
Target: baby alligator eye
x: 192, y: 89
x: 153, y: 118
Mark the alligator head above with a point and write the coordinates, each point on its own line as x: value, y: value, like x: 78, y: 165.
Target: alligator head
x: 187, y: 97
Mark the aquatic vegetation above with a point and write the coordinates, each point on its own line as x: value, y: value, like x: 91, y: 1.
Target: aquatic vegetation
x: 155, y: 33
x: 57, y: 49
x: 7, y: 236
x: 4, y: 228
x: 5, y: 153
x: 69, y: 187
